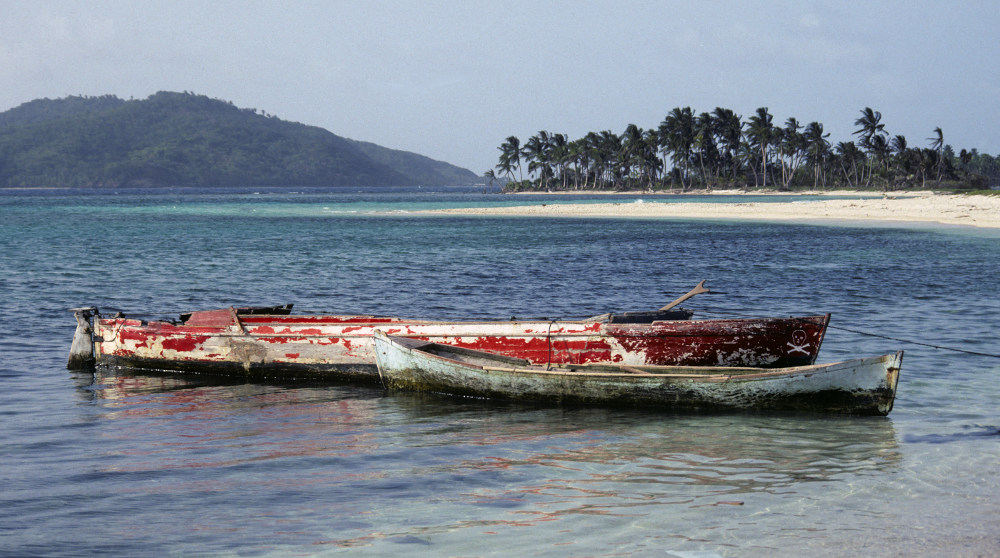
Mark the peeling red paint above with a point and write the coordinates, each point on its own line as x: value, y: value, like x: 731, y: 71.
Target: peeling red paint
x: 770, y: 342
x: 534, y: 349
x: 183, y: 344
x: 279, y: 340
x: 140, y: 338
x: 346, y: 340
x: 318, y: 319
x: 224, y: 317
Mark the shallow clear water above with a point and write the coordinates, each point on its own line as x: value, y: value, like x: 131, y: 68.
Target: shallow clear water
x: 140, y: 464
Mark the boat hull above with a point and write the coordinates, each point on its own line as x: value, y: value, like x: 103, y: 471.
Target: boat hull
x: 327, y: 347
x: 860, y: 387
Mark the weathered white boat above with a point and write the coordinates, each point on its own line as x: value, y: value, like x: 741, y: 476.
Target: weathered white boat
x: 865, y: 386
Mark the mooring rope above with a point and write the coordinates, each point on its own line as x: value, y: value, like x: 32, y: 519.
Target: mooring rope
x: 933, y: 346
x: 548, y: 337
x: 880, y: 336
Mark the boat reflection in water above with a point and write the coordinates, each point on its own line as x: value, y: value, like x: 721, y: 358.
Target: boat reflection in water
x: 516, y: 463
x: 165, y: 421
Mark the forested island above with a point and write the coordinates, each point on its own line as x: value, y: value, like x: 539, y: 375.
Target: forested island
x: 183, y: 139
x: 719, y: 149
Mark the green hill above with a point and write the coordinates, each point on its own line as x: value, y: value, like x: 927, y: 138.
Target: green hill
x: 182, y: 139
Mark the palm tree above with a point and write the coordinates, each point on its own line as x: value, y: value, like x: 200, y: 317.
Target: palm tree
x: 965, y: 157
x: 506, y: 166
x: 871, y: 126
x: 898, y: 144
x: 633, y: 144
x: 610, y: 149
x: 576, y: 152
x: 900, y: 151
x: 677, y: 138
x: 930, y: 160
x: 848, y: 155
x: 720, y: 148
x: 651, y: 163
x: 937, y: 144
x: 510, y: 157
x: 638, y: 157
x: 792, y: 148
x: 817, y: 149
x: 937, y: 141
x: 880, y: 149
x: 558, y: 155
x: 538, y: 151
x: 704, y: 144
x: 729, y: 132
x: 760, y: 133
x: 870, y: 122
x: 595, y: 155
x: 490, y: 177
x: 588, y: 158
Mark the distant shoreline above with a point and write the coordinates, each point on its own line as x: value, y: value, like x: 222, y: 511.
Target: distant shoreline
x: 914, y: 207
x: 715, y: 192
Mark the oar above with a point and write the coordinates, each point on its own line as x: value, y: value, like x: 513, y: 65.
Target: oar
x: 697, y: 290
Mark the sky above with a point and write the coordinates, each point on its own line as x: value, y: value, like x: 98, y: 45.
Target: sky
x: 452, y: 79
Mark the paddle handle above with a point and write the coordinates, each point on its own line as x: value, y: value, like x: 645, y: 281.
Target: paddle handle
x: 697, y: 290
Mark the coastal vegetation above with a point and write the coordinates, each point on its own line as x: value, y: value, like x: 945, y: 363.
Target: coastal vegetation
x: 183, y: 139
x: 720, y: 149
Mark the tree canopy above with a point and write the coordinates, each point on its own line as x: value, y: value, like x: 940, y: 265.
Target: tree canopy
x: 719, y: 149
x: 183, y: 139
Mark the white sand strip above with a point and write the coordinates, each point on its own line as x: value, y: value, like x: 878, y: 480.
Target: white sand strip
x: 975, y: 211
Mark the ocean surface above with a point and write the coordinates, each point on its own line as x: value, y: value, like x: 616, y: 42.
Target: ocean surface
x: 120, y: 463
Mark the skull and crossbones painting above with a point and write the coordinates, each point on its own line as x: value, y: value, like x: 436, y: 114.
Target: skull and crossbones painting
x: 798, y: 343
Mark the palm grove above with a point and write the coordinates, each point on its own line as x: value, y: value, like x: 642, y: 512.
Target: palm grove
x: 718, y: 150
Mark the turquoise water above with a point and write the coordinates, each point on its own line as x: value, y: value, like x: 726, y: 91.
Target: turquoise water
x: 131, y: 464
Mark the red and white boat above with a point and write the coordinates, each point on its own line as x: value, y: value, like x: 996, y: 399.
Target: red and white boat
x: 273, y: 343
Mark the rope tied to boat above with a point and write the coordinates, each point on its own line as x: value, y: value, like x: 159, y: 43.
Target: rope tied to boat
x: 880, y: 336
x: 548, y: 338
x: 931, y: 345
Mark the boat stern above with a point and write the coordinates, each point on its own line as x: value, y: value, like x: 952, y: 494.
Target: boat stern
x: 81, y: 352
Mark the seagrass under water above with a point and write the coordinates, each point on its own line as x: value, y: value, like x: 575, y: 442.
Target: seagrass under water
x: 158, y: 464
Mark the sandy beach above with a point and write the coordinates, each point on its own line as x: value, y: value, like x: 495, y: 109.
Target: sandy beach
x: 947, y: 209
